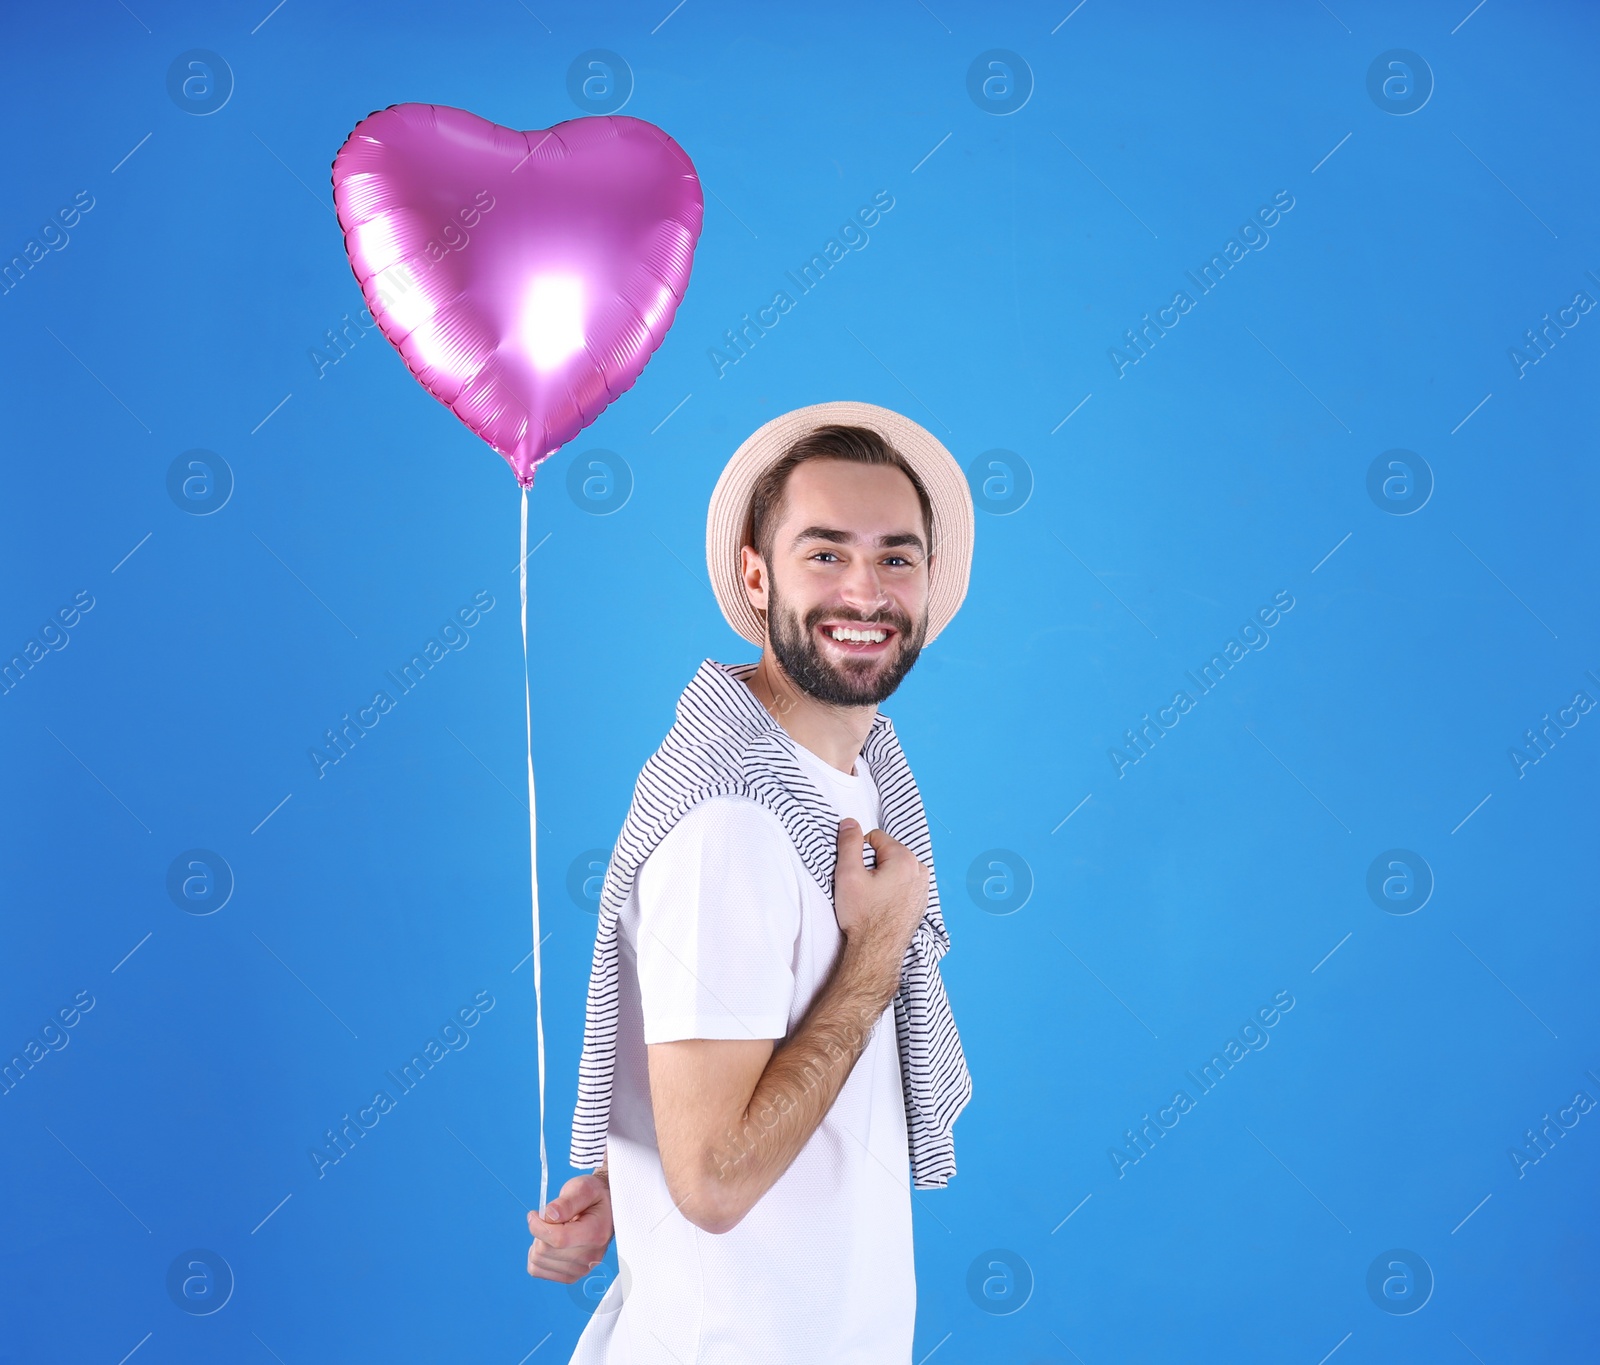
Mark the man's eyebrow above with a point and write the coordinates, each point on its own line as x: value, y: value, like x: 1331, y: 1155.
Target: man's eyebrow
x: 885, y: 542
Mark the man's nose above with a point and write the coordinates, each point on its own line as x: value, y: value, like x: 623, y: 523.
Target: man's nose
x: 862, y: 588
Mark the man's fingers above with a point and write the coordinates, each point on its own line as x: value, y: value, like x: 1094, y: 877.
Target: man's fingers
x: 541, y: 1272
x: 560, y: 1274
x: 573, y: 1233
x: 566, y: 1231
x: 850, y: 862
x: 577, y: 1196
x: 561, y: 1208
x: 885, y: 846
x: 565, y: 1268
x: 564, y: 1253
x: 581, y: 1192
x: 559, y: 1258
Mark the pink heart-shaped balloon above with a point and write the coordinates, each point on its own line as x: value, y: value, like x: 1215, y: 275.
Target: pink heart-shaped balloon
x: 526, y: 278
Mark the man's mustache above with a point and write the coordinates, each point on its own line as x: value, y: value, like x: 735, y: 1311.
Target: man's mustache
x: 899, y: 619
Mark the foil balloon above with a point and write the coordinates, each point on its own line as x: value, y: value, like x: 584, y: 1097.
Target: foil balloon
x: 525, y: 277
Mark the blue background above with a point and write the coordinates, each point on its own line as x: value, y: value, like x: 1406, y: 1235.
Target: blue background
x: 1169, y: 503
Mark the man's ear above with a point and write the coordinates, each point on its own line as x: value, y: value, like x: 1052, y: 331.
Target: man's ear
x: 753, y: 573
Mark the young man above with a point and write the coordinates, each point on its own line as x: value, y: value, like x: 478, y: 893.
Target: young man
x: 756, y: 1114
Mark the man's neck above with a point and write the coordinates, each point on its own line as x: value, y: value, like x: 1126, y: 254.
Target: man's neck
x: 834, y: 734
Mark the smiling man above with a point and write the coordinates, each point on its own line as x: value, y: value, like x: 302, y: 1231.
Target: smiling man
x: 755, y: 1112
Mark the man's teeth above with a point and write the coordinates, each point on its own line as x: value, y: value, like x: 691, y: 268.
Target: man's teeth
x: 860, y: 636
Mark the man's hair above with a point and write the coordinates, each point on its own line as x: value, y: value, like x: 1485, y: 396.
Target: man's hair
x: 858, y: 445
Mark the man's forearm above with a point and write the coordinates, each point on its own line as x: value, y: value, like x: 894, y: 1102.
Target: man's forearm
x: 800, y: 1083
x: 732, y: 1116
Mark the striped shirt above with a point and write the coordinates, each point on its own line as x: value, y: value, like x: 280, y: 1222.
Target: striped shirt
x: 724, y: 743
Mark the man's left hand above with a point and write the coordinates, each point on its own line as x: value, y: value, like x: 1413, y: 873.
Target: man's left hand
x: 572, y: 1236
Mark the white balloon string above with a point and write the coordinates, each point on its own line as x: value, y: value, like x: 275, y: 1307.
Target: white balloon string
x: 533, y: 859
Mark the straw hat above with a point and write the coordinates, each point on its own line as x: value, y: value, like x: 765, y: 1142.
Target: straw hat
x: 941, y: 476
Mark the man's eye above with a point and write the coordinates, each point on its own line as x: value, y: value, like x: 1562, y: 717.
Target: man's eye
x: 820, y: 553
x: 899, y: 559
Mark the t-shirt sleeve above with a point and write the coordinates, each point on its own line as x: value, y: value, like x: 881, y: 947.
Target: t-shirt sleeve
x: 719, y: 925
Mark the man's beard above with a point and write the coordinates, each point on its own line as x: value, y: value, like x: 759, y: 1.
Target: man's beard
x: 794, y: 643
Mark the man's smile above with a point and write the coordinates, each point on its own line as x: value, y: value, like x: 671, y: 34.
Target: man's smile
x: 857, y: 639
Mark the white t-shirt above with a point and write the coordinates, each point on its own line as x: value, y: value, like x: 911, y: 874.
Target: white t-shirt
x: 727, y: 935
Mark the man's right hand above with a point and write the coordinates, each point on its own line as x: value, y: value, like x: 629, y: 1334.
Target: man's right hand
x: 878, y: 908
x: 572, y: 1231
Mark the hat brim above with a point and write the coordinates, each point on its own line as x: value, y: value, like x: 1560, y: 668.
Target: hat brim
x: 935, y: 466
